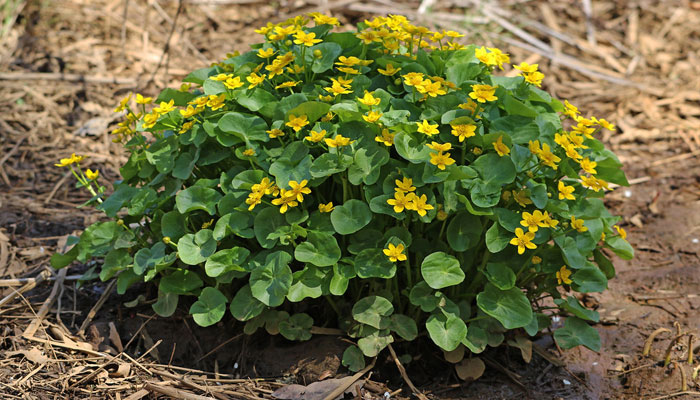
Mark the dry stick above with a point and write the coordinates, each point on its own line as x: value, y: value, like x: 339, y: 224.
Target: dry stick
x: 30, y: 285
x: 668, y: 396
x: 587, y: 11
x: 138, y: 395
x: 218, y: 347
x: 22, y: 281
x: 34, y: 325
x: 189, y: 383
x: 669, y: 349
x: 55, y: 76
x: 342, y: 388
x: 96, y: 307
x: 166, y: 48
x: 650, y: 340
x: 175, y: 393
x: 404, y: 375
x: 510, y: 374
x: 57, y: 186
x: 13, y: 150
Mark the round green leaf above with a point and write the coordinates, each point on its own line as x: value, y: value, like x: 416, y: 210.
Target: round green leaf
x: 501, y: 275
x: 197, y: 198
x: 226, y: 260
x: 172, y: 225
x: 463, y: 231
x: 244, y: 306
x: 422, y: 295
x: 495, y: 169
x: 371, y: 345
x: 572, y: 305
x: 446, y: 332
x: 373, y: 311
x: 195, y: 249
x: 577, y: 332
x: 307, y: 283
x: 270, y: 282
x: 510, y: 307
x: 353, y: 358
x: 350, y: 217
x: 297, y: 327
x: 267, y: 221
x: 209, y: 308
x: 373, y: 263
x: 404, y: 326
x: 342, y: 273
x: 411, y: 147
x: 181, y: 281
x: 166, y: 304
x: 441, y: 270
x: 589, y: 279
x: 320, y: 249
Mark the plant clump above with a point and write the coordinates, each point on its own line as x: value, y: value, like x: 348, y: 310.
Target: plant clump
x: 385, y: 182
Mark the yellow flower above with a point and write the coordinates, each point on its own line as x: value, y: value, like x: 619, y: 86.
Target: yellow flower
x: 534, y: 77
x: 605, y: 124
x: 254, y: 79
x: 548, y: 221
x: 441, y: 160
x: 123, y: 103
x: 186, y: 127
x: 265, y: 186
x: 501, y: 148
x: 328, y: 117
x: 249, y: 152
x: 297, y: 123
x: 275, y: 133
x: 578, y: 224
x: 592, y: 182
x: 298, y: 190
x: 426, y: 128
x: 493, y: 57
x: 413, y: 78
x: 430, y: 88
x: 563, y: 276
x: 149, y: 120
x: 453, y: 34
x: 405, y: 185
x: 338, y: 141
x: 386, y: 138
x: 389, y: 70
x: 316, y: 137
x: 420, y: 205
x: 565, y: 192
x: 221, y: 77
x: 523, y: 240
x: 233, y: 83
x: 534, y: 147
x: 185, y: 87
x: 143, y: 100
x: 348, y: 61
x: 266, y: 53
x: 439, y: 146
x: 164, y: 107
x: 571, y: 110
x: 368, y: 37
x: 526, y: 68
x: 369, y: 99
x: 536, y: 260
x: 463, y: 131
x: 73, y: 159
x: 521, y: 198
x: 326, y: 208
x: 588, y: 166
x: 470, y: 105
x: 401, y: 201
x: 547, y: 157
x: 395, y: 253
x: 322, y: 19
x: 92, y: 175
x: 285, y: 202
x: 189, y: 112
x: 483, y: 93
x: 372, y: 116
x: 620, y: 231
x: 254, y: 198
x: 572, y: 153
x: 532, y: 221
x: 348, y: 70
x: 307, y: 39
x: 288, y: 84
x: 336, y: 89
x: 216, y: 102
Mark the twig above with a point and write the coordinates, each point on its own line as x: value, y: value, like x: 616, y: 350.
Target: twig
x: 404, y: 375
x: 13, y: 150
x: 175, y: 393
x: 56, y: 76
x: 342, y: 388
x: 510, y: 374
x: 57, y: 186
x: 22, y: 281
x: 188, y: 383
x: 588, y: 12
x: 166, y: 48
x: 675, y: 158
x: 215, y: 349
x: 34, y: 325
x: 30, y: 285
x: 96, y: 307
x: 668, y: 396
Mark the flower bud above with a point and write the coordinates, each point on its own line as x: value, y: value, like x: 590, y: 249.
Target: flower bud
x: 120, y: 222
x: 287, y: 42
x: 166, y: 239
x: 318, y: 53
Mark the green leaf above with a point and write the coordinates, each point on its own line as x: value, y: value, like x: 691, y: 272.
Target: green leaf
x: 570, y: 251
x: 342, y: 273
x: 372, y: 344
x: 329, y: 52
x: 270, y: 282
x: 353, y: 358
x: 244, y: 306
x: 422, y: 295
x: 572, y: 306
x: 226, y: 260
x: 297, y: 327
x: 446, y: 332
x: 209, y: 308
x: 122, y: 194
x: 147, y: 258
x: 501, y: 275
x: 461, y: 73
x: 514, y: 106
x: 604, y: 264
x: 292, y: 165
x: 373, y: 263
x: 195, y: 249
x: 494, y: 169
x: 312, y: 109
x: 577, y: 332
x: 366, y: 166
x: 320, y: 249
x: 197, y: 198
x: 464, y: 231
x: 411, y: 147
x: 620, y: 246
x: 166, y: 304
x: 510, y: 307
x: 308, y: 282
x: 373, y: 311
x: 256, y: 100
x: 476, y: 340
x: 172, y: 225
x: 266, y: 222
x: 589, y: 279
x: 245, y: 127
x: 115, y: 261
x: 126, y: 279
x: 181, y: 281
x: 350, y: 217
x: 485, y: 194
x: 441, y: 270
x: 404, y: 326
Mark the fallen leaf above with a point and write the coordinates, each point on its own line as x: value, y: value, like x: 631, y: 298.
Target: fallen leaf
x: 470, y: 369
x: 525, y: 346
x: 455, y: 355
x: 34, y: 355
x: 114, y: 337
x: 316, y: 390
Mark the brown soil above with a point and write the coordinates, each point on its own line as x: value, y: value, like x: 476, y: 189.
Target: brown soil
x: 650, y: 49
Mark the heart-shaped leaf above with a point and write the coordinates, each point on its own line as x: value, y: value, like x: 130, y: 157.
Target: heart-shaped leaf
x: 577, y: 332
x: 446, y: 332
x: 350, y: 217
x: 441, y: 270
x: 270, y: 282
x: 209, y: 308
x: 510, y: 307
x: 373, y: 311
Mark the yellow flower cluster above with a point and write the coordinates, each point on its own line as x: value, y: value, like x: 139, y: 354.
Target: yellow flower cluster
x: 405, y: 198
x: 530, y: 73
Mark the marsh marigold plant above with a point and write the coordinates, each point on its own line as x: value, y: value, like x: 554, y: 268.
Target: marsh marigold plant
x: 387, y: 182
